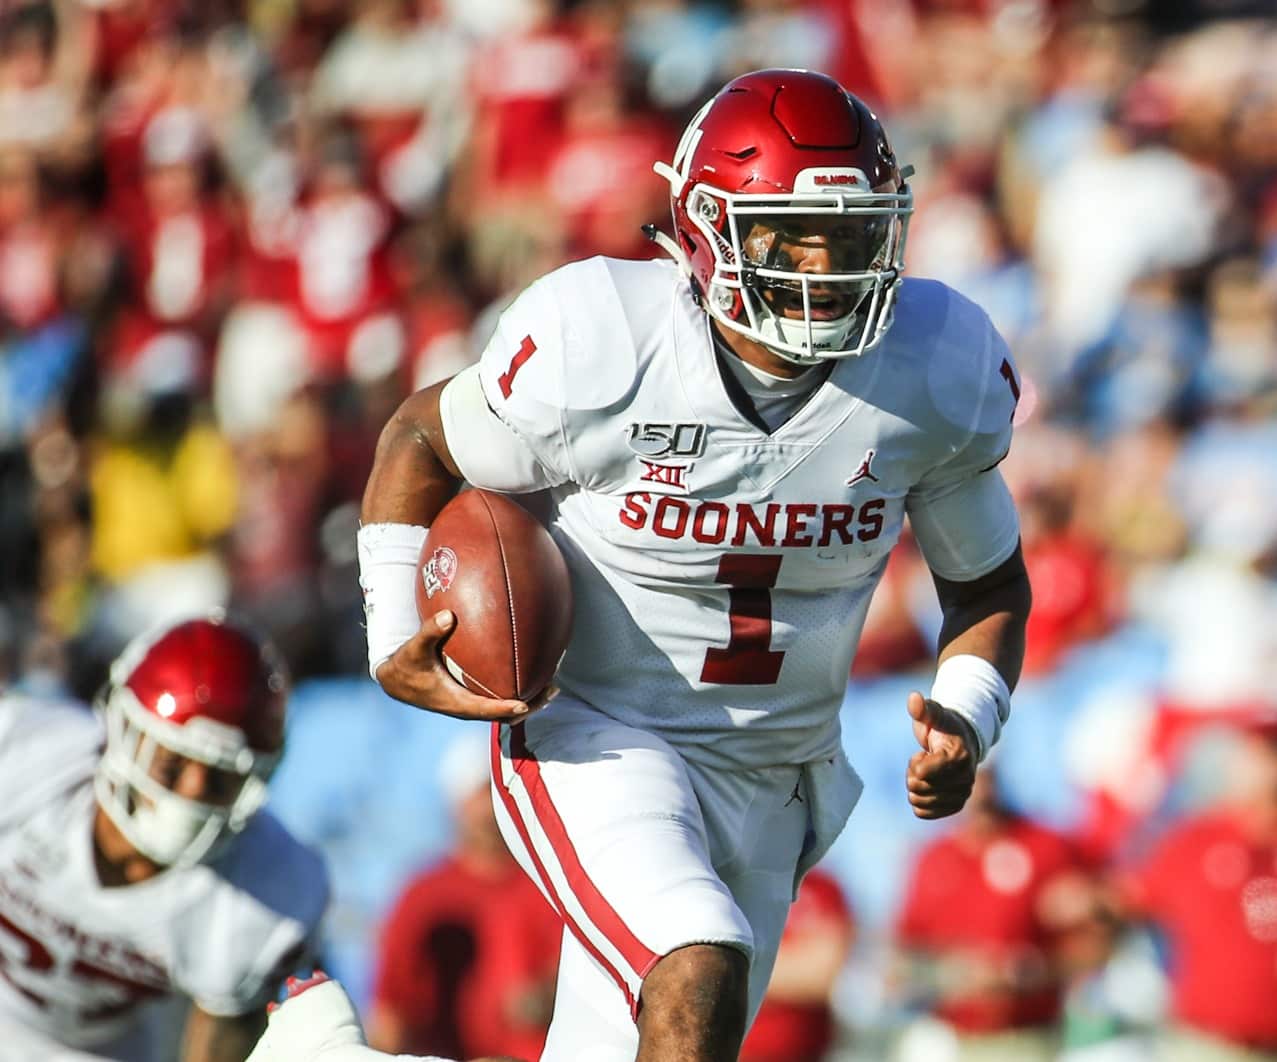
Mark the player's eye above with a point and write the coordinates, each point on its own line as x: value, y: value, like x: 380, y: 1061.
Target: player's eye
x: 167, y: 769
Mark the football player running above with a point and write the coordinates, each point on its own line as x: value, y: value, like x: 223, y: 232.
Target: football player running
x: 731, y: 442
x: 136, y: 862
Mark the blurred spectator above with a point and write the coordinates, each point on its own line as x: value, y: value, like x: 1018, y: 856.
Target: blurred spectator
x: 468, y: 954
x: 1209, y: 886
x: 600, y: 176
x: 1159, y: 211
x: 1142, y: 368
x: 796, y: 1022
x: 984, y: 928
x: 411, y: 116
x: 273, y: 545
x: 43, y: 68
x: 677, y: 44
x: 521, y: 83
x: 777, y: 33
x: 1124, y: 500
x: 1217, y: 611
x: 326, y: 244
x: 1241, y: 363
x: 163, y: 492
x: 1073, y: 591
x: 438, y: 314
x: 178, y: 247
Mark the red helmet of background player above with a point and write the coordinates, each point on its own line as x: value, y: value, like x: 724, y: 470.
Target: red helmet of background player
x: 780, y: 156
x: 207, y: 690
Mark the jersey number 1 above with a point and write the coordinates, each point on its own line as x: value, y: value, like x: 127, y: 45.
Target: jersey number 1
x: 506, y: 380
x: 748, y: 658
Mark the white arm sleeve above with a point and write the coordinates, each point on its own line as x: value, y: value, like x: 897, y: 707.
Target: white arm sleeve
x: 965, y: 529
x: 488, y: 452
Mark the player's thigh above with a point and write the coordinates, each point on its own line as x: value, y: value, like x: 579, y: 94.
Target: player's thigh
x: 756, y: 824
x: 605, y: 820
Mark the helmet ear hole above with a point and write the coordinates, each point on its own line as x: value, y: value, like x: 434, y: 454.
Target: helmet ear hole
x: 707, y: 208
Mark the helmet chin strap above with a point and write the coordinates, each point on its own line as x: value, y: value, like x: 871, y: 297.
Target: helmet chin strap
x: 669, y: 247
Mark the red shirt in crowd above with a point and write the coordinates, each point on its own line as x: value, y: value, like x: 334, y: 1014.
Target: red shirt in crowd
x: 1071, y: 600
x: 460, y: 955
x: 801, y: 1032
x: 982, y: 897
x: 1212, y: 889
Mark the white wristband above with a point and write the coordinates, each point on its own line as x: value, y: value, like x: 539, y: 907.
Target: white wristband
x: 388, y: 555
x: 976, y: 690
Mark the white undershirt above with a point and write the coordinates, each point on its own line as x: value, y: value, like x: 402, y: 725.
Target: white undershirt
x: 776, y: 398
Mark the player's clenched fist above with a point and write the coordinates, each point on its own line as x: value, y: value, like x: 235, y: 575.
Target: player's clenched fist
x: 940, y: 777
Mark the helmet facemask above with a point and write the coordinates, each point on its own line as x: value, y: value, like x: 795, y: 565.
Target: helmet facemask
x: 809, y: 276
x: 171, y: 829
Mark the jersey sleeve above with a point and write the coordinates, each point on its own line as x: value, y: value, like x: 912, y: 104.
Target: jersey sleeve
x: 46, y: 747
x: 521, y: 380
x: 489, y: 453
x: 264, y: 926
x: 961, y: 511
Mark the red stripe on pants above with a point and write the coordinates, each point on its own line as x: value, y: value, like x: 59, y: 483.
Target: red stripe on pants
x: 601, y: 914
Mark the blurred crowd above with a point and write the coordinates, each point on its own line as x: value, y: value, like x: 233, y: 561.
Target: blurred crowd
x: 235, y: 233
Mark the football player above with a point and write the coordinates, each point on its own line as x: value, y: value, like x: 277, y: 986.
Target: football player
x: 136, y: 862
x: 731, y: 441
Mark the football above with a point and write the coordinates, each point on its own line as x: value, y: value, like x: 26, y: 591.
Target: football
x: 502, y: 575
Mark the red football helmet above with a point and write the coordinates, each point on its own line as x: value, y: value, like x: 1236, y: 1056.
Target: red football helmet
x: 777, y: 159
x: 205, y: 690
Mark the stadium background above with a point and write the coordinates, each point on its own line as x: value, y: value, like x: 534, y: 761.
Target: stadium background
x: 233, y: 234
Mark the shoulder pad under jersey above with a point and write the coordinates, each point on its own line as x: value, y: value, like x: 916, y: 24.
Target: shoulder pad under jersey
x: 586, y: 322
x: 948, y: 340
x: 46, y: 747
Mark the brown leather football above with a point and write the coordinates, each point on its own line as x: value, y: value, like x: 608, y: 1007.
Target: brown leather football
x: 500, y: 572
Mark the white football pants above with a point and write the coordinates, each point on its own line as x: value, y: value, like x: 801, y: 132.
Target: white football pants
x: 641, y: 852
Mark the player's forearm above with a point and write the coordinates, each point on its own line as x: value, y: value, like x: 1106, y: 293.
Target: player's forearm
x: 987, y: 618
x: 413, y: 474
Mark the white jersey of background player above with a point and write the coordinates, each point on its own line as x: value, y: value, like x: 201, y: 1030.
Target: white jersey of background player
x: 730, y: 449
x: 144, y: 869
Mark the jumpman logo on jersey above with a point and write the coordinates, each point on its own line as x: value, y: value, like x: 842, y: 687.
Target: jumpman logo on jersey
x: 864, y: 471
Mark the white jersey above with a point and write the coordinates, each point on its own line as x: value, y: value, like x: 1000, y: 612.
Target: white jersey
x: 722, y: 572
x: 78, y: 960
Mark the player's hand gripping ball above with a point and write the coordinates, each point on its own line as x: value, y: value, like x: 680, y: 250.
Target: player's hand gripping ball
x: 500, y: 573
